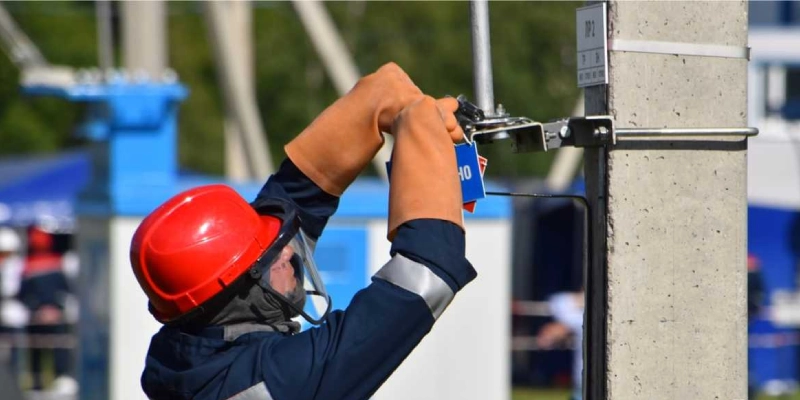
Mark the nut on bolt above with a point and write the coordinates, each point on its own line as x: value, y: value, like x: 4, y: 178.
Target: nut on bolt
x: 564, y: 132
x: 500, y: 111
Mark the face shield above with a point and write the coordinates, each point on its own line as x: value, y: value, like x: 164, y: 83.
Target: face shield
x: 287, y: 269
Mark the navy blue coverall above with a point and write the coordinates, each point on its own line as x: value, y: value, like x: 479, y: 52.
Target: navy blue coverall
x: 352, y: 353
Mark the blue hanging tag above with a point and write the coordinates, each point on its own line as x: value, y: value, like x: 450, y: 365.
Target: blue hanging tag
x: 469, y: 171
x: 472, y: 187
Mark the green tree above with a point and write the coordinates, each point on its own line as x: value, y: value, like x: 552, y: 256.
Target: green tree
x: 533, y: 46
x: 64, y: 31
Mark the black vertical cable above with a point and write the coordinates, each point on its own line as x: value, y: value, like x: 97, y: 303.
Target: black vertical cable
x: 586, y: 249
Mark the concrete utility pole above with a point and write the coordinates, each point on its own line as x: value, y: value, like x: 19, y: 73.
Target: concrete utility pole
x: 668, y: 312
x: 144, y: 32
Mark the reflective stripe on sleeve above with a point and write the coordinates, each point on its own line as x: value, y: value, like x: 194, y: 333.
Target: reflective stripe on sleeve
x: 418, y: 279
x: 258, y: 391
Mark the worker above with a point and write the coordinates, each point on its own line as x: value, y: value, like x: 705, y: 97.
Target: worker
x: 46, y: 292
x: 228, y: 279
x: 13, y: 314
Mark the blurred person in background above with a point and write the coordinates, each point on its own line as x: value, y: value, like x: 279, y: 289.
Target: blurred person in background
x: 13, y: 314
x: 755, y: 288
x: 567, y: 309
x: 755, y: 303
x: 228, y: 279
x: 46, y: 292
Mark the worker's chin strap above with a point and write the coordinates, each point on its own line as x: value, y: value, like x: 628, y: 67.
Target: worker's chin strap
x: 258, y: 307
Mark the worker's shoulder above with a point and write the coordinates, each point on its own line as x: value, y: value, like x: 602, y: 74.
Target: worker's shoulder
x: 200, y: 361
x: 201, y: 346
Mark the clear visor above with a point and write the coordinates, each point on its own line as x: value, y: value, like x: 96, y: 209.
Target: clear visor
x: 292, y: 275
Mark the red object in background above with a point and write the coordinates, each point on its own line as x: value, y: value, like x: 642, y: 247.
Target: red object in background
x: 39, y: 264
x: 39, y: 241
x: 753, y: 263
x: 42, y: 258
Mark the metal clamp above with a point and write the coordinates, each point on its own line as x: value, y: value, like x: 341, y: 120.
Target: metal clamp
x: 528, y: 135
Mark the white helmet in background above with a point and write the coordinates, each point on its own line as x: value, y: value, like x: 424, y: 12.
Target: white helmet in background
x: 9, y: 240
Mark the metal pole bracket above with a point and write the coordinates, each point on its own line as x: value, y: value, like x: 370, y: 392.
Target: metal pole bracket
x: 527, y: 135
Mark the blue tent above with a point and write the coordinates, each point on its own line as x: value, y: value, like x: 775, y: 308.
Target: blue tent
x: 42, y: 189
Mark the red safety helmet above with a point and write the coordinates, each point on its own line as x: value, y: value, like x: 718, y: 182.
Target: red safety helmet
x: 200, y: 241
x: 196, y: 244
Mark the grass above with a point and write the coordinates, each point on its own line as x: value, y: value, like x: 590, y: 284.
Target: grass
x: 795, y: 396
x: 539, y: 394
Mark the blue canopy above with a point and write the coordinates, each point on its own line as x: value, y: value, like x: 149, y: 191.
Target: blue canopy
x: 42, y: 189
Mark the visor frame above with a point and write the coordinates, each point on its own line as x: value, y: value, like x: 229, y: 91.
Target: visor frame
x: 289, y: 230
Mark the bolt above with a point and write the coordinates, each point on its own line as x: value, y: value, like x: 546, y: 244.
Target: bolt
x: 500, y: 111
x: 601, y: 132
x: 564, y: 132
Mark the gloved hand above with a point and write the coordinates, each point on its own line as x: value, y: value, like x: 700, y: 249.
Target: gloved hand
x: 342, y: 140
x: 424, y: 181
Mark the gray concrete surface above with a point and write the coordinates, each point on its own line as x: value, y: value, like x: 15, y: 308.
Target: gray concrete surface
x: 672, y: 241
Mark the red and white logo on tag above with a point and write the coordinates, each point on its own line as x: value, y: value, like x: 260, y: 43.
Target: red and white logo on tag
x: 482, y: 161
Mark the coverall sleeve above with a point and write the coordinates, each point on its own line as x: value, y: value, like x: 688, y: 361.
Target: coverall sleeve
x: 354, y: 351
x: 315, y: 205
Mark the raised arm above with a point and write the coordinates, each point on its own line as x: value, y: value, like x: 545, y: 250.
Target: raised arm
x: 315, y: 205
x: 330, y: 153
x: 357, y: 349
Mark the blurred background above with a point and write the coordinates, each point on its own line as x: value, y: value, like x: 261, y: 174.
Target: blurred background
x: 533, y: 43
x: 47, y: 161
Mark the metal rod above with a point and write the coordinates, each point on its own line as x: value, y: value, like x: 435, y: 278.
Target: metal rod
x: 531, y: 343
x: 526, y: 308
x: 482, y: 55
x: 659, y: 132
x: 38, y: 341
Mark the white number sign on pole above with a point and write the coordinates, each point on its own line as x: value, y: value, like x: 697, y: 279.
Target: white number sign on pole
x: 590, y: 23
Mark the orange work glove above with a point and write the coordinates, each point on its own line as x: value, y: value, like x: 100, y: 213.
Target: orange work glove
x: 424, y: 181
x: 342, y: 140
